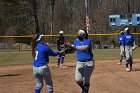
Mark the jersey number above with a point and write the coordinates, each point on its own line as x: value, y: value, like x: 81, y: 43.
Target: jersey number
x: 36, y: 54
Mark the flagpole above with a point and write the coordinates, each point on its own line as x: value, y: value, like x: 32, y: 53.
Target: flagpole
x: 87, y: 16
x: 86, y: 5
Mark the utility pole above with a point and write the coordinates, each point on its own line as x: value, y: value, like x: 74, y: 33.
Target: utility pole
x: 34, y: 5
x: 52, y: 2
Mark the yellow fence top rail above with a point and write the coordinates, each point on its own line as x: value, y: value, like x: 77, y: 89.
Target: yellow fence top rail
x: 29, y: 36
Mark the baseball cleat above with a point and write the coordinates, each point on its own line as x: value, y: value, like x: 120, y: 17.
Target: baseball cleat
x: 58, y: 66
x: 119, y: 63
x: 130, y: 68
x: 127, y: 69
x: 82, y: 91
x: 63, y: 66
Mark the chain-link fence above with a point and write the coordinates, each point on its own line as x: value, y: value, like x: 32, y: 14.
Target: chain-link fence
x: 98, y: 41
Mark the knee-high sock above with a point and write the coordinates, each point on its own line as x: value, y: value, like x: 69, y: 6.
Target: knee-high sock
x: 37, y: 90
x: 50, y: 91
x: 62, y: 59
x: 58, y: 61
x: 121, y: 57
x: 86, y: 87
x: 131, y: 64
x: 81, y: 85
x: 127, y: 62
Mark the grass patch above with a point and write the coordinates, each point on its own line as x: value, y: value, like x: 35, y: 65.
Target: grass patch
x: 15, y: 57
x: 25, y: 57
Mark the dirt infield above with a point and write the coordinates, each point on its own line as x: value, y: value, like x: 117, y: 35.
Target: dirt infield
x: 108, y: 77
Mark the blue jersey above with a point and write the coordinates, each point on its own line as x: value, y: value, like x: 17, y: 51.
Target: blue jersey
x: 128, y: 40
x: 84, y: 55
x: 120, y: 39
x: 42, y: 54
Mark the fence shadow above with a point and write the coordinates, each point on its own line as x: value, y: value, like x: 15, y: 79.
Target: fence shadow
x: 7, y: 75
x: 136, y: 69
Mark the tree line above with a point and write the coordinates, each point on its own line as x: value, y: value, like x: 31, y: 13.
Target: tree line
x: 25, y: 17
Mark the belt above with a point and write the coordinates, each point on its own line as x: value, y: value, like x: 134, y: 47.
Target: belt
x: 86, y: 60
x: 41, y: 66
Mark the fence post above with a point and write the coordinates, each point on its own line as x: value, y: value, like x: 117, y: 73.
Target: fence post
x: 19, y: 47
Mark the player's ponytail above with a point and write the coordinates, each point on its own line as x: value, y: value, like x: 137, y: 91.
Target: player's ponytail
x: 86, y: 34
x: 34, y: 43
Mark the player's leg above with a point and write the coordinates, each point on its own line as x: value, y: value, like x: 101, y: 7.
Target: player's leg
x: 62, y: 59
x: 79, y: 71
x: 131, y: 58
x: 59, y: 59
x: 39, y: 80
x: 127, y: 57
x: 131, y: 62
x: 121, y: 55
x: 87, y: 74
x: 45, y: 71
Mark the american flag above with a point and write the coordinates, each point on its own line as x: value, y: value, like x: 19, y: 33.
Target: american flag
x: 87, y: 23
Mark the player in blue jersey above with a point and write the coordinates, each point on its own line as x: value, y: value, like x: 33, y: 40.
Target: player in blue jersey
x: 41, y: 71
x: 85, y: 62
x: 128, y: 43
x: 120, y: 40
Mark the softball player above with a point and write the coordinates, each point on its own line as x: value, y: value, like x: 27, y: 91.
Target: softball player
x: 85, y: 63
x: 60, y: 46
x: 128, y: 43
x: 121, y: 47
x: 41, y: 53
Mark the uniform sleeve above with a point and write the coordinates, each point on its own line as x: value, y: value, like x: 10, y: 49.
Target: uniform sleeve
x: 88, y: 43
x: 74, y: 43
x: 51, y: 52
x: 118, y: 39
x: 123, y: 40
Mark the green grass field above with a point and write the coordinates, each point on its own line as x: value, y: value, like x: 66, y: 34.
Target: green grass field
x: 25, y: 57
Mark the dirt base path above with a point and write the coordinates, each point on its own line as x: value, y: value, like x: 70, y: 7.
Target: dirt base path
x: 108, y: 77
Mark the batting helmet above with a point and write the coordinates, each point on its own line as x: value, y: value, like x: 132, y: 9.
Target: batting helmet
x: 61, y: 32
